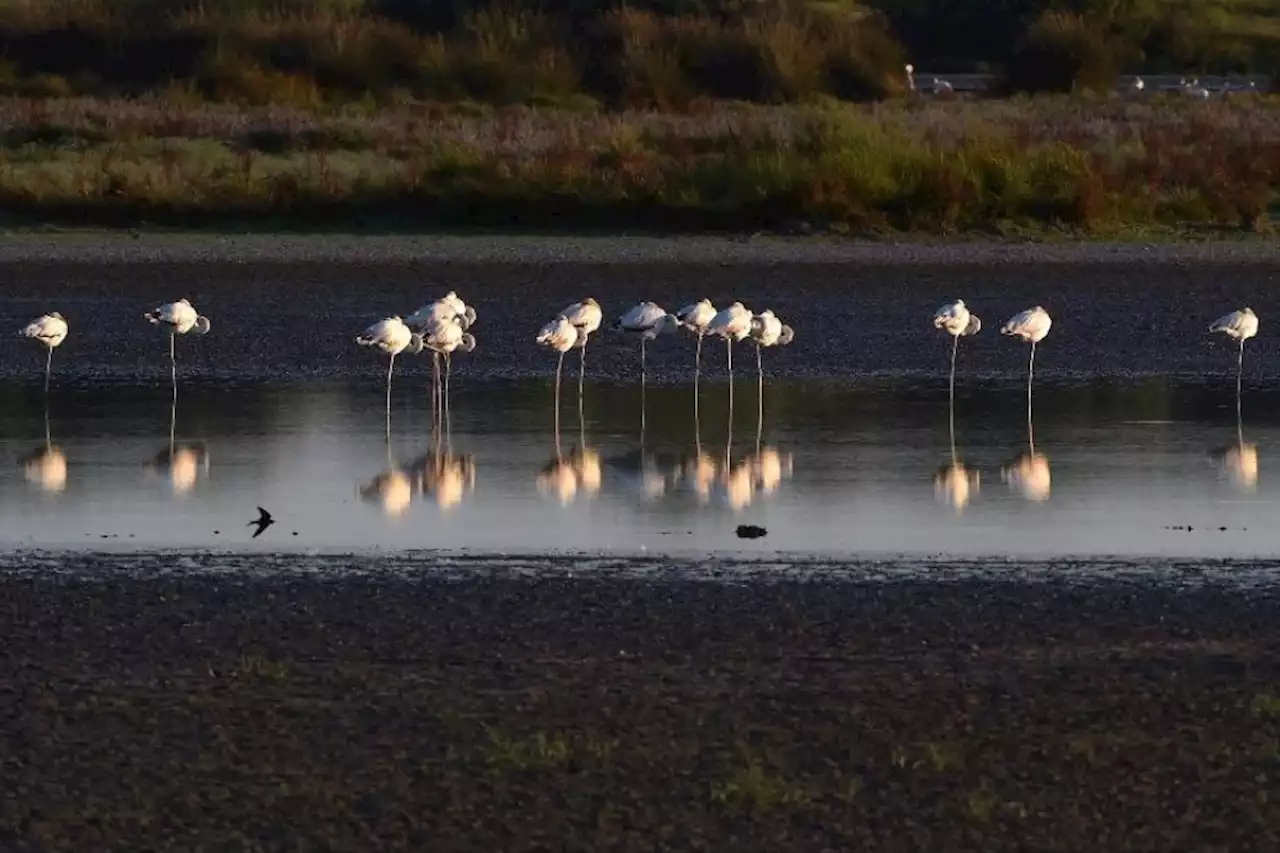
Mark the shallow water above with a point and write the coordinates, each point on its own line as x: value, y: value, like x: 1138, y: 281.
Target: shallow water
x: 834, y: 468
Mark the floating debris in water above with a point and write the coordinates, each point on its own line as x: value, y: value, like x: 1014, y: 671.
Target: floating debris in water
x: 750, y: 531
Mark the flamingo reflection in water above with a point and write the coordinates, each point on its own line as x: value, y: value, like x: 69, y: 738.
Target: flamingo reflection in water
x: 183, y: 462
x: 46, y: 466
x: 391, y: 489
x: 954, y: 483
x: 1028, y: 474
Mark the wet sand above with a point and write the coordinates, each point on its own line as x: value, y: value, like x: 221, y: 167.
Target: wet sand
x: 490, y: 709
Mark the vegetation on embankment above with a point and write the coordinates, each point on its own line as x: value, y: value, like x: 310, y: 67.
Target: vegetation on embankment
x: 663, y: 54
x: 933, y: 167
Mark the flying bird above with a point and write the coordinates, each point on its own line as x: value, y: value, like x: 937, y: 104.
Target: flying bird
x: 390, y: 336
x: 1032, y: 326
x: 1238, y: 325
x: 50, y: 330
x: 179, y: 318
x: 264, y: 520
x: 559, y: 335
x: 586, y: 316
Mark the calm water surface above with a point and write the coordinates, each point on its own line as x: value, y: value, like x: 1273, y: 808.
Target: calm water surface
x: 835, y: 468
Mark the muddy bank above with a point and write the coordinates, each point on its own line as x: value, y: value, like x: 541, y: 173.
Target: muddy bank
x: 277, y: 319
x: 406, y: 712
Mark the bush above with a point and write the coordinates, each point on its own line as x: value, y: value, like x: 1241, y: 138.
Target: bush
x: 1065, y: 52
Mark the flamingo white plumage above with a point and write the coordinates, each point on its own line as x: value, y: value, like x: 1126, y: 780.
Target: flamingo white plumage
x: 586, y: 316
x: 390, y: 336
x: 447, y: 308
x: 50, y: 330
x: 1239, y: 326
x: 696, y: 317
x: 732, y: 324
x: 559, y: 335
x: 647, y: 321
x: 444, y: 339
x: 957, y: 321
x: 179, y: 318
x: 767, y: 331
x: 1032, y: 326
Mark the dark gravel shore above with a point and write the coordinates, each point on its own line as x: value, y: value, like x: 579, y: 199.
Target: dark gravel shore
x: 287, y: 309
x: 484, y: 710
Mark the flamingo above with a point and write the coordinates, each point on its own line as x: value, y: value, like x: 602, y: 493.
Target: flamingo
x: 1238, y: 325
x: 1032, y: 326
x: 957, y: 321
x: 392, y: 337
x: 586, y: 316
x: 911, y: 77
x: 561, y: 336
x: 767, y: 331
x: 732, y: 324
x: 448, y: 307
x: 50, y: 330
x: 696, y: 318
x: 647, y: 320
x: 445, y: 338
x: 180, y: 317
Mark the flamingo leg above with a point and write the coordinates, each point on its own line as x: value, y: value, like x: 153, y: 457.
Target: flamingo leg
x: 48, y: 365
x: 759, y: 398
x: 173, y: 363
x: 391, y: 366
x: 729, y: 345
x: 1031, y: 366
x: 435, y: 389
x: 643, y: 394
x: 582, y: 370
x: 559, y: 365
x: 951, y: 397
x: 448, y: 407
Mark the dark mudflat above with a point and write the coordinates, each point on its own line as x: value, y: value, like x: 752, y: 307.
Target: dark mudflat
x: 489, y: 711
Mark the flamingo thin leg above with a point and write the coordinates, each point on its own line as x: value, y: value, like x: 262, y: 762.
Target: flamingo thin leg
x: 48, y: 365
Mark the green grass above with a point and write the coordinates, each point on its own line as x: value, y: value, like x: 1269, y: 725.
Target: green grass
x: 1044, y: 165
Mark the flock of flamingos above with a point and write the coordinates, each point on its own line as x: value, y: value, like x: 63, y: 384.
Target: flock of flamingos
x: 442, y: 328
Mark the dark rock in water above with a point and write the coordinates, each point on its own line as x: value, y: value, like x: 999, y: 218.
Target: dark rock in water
x: 750, y: 531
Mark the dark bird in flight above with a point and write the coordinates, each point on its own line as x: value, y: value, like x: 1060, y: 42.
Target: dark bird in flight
x: 264, y: 520
x: 750, y: 531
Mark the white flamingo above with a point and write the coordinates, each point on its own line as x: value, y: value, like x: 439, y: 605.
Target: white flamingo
x: 586, y: 316
x: 390, y: 336
x: 911, y: 77
x: 696, y: 318
x: 957, y: 321
x: 448, y: 307
x: 561, y: 336
x: 50, y: 330
x: 732, y: 324
x: 767, y: 331
x: 1032, y: 326
x: 444, y: 339
x: 1240, y: 326
x: 180, y: 318
x: 647, y: 321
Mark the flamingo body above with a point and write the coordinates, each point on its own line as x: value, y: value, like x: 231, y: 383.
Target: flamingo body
x: 48, y: 329
x: 1031, y: 325
x: 179, y: 317
x: 1238, y: 325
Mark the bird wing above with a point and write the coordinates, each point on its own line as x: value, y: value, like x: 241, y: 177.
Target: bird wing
x: 547, y: 332
x: 642, y: 317
x: 1233, y: 323
x: 974, y: 326
x: 1017, y: 323
x: 578, y: 314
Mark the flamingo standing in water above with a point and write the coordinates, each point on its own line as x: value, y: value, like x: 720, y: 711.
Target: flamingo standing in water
x: 180, y: 318
x: 767, y: 331
x: 732, y: 324
x: 392, y: 337
x: 561, y: 336
x: 443, y: 339
x: 957, y: 321
x: 696, y: 318
x: 50, y: 330
x: 586, y: 316
x: 1240, y: 326
x: 448, y: 307
x: 1032, y: 326
x: 647, y: 321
